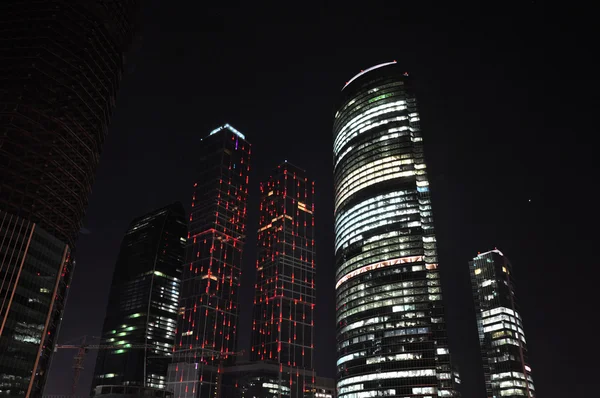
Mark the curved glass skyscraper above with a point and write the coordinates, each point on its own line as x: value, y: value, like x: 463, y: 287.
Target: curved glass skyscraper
x: 391, y: 337
x: 61, y: 63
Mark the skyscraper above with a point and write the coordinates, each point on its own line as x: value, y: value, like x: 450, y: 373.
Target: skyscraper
x: 391, y: 334
x: 143, y: 302
x: 61, y: 66
x: 34, y: 267
x: 284, y: 302
x: 207, y: 324
x: 503, y: 346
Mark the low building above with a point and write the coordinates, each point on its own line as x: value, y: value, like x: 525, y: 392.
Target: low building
x: 119, y: 391
x: 267, y: 380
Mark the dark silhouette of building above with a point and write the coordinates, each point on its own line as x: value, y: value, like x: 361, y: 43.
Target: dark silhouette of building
x: 144, y: 301
x: 391, y: 334
x: 501, y: 336
x: 207, y: 325
x: 61, y: 63
x: 120, y: 391
x: 282, y: 326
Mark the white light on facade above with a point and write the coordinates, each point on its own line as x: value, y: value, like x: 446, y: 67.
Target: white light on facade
x: 230, y: 128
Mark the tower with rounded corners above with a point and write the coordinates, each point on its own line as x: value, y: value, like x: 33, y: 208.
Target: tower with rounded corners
x: 391, y: 334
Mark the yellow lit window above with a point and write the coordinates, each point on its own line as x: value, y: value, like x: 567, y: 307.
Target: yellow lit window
x: 504, y: 269
x: 477, y: 271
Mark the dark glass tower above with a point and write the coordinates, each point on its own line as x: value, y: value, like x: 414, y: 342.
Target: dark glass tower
x: 60, y: 66
x: 60, y: 73
x: 207, y: 325
x: 503, y: 346
x: 391, y: 334
x: 143, y: 301
x: 284, y: 301
x: 33, y: 269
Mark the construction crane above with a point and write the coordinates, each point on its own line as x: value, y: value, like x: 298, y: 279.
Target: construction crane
x: 83, y: 347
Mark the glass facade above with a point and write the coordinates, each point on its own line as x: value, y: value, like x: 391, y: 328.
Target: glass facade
x: 33, y: 269
x: 261, y: 379
x: 143, y: 301
x: 501, y: 336
x: 391, y: 335
x: 208, y: 314
x: 322, y: 387
x: 284, y: 303
x: 60, y: 74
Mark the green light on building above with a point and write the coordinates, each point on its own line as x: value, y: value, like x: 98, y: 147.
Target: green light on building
x: 380, y: 97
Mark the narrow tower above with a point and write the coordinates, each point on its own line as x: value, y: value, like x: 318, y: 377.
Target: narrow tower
x: 391, y: 334
x: 284, y: 302
x: 208, y: 314
x: 501, y: 336
x: 143, y: 301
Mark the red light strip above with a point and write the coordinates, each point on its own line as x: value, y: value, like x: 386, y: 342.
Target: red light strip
x: 381, y: 264
x: 208, y: 231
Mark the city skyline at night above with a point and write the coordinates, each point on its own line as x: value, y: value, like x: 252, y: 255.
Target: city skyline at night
x: 391, y: 326
x: 496, y: 110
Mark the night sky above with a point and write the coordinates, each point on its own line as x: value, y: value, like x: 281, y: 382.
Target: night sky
x: 505, y: 94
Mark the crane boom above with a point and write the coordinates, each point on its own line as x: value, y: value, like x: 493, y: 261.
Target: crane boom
x: 98, y: 346
x: 83, y: 347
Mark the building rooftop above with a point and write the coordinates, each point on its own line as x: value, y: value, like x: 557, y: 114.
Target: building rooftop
x: 230, y: 128
x: 362, y: 72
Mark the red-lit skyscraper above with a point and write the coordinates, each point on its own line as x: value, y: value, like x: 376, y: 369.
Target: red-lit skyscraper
x: 285, y: 288
x: 208, y: 314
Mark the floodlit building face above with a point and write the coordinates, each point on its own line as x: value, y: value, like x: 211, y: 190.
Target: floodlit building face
x: 391, y: 334
x: 143, y: 301
x: 284, y: 303
x: 208, y: 314
x: 501, y: 336
x: 60, y: 76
